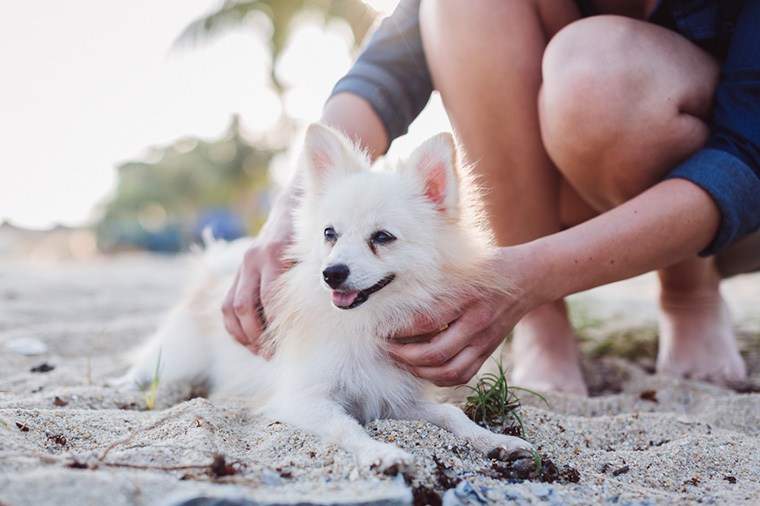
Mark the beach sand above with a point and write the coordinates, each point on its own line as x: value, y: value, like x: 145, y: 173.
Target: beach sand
x: 66, y: 438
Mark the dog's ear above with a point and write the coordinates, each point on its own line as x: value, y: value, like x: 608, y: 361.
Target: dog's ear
x: 434, y: 163
x: 328, y: 153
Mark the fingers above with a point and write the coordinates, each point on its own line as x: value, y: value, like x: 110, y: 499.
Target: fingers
x: 245, y: 304
x: 439, y: 350
x: 426, y: 324
x: 457, y: 371
x: 445, y: 345
x: 231, y: 322
x: 454, y: 356
x: 269, y: 273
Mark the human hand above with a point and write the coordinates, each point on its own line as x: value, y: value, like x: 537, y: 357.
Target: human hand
x: 244, y: 306
x: 450, y: 347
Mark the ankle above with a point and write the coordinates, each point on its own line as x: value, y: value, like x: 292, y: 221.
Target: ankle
x: 695, y: 279
x: 691, y: 300
x: 546, y: 326
x: 548, y: 317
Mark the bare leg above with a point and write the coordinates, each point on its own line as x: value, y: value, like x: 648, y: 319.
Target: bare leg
x: 489, y: 84
x: 615, y: 120
x: 696, y: 336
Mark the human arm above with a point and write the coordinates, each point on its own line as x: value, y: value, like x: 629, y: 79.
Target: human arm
x: 391, y: 72
x: 671, y: 221
x: 705, y: 204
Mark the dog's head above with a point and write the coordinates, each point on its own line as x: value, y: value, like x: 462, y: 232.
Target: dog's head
x: 380, y: 238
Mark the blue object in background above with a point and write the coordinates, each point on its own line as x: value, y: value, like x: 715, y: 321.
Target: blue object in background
x: 223, y: 223
x: 167, y: 240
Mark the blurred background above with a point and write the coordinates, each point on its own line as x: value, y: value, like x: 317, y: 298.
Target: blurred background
x: 133, y: 125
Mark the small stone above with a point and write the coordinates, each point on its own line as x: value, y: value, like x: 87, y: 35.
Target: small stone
x: 42, y: 368
x: 27, y: 346
x: 509, y: 456
x: 271, y: 478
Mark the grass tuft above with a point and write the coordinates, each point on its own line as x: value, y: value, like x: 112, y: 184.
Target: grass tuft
x: 538, y: 461
x: 152, y: 393
x: 494, y: 404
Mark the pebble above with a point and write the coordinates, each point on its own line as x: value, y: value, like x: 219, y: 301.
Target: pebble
x: 27, y: 346
x: 271, y: 478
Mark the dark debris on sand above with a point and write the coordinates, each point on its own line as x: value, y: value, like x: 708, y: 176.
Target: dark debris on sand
x: 219, y: 467
x: 526, y: 465
x: 42, y: 368
x: 425, y: 496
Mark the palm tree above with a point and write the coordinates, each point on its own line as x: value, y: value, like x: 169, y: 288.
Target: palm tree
x: 232, y: 14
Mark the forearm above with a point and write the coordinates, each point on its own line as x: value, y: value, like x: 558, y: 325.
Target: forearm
x: 353, y: 116
x: 669, y: 222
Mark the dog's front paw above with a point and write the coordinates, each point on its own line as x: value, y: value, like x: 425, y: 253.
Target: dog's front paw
x: 126, y: 382
x: 384, y: 457
x: 507, y: 444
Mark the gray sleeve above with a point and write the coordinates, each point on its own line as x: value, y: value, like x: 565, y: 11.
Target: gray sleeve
x: 391, y: 72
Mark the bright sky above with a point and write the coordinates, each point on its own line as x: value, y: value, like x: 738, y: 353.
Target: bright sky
x: 88, y: 84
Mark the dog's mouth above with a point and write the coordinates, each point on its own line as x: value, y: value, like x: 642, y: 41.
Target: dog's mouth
x: 349, y: 299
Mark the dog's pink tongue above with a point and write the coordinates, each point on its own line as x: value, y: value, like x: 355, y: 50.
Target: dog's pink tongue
x: 343, y: 299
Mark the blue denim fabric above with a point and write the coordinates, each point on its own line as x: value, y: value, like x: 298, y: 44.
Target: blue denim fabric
x: 728, y: 168
x: 391, y: 74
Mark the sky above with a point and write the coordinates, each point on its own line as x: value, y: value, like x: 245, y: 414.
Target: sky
x: 87, y: 85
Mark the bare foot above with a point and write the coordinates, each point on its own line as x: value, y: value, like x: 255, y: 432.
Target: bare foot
x: 696, y: 338
x: 546, y: 353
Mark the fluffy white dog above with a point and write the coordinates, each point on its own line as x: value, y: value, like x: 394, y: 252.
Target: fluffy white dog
x: 372, y: 249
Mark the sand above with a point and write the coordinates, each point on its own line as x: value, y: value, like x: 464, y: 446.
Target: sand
x: 66, y: 438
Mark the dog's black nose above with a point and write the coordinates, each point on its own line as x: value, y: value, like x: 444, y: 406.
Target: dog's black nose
x: 335, y: 275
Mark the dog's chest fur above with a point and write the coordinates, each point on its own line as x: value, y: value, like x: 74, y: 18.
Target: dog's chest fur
x: 374, y: 388
x: 354, y: 372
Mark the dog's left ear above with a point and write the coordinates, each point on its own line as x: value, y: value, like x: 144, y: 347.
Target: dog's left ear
x: 328, y: 153
x: 434, y: 163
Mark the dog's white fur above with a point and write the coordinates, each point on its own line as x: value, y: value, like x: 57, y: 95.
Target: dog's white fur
x: 330, y: 371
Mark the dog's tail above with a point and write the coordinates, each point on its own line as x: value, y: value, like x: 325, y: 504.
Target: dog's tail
x: 221, y: 257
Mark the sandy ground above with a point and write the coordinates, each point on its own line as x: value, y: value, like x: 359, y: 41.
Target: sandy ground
x: 65, y: 438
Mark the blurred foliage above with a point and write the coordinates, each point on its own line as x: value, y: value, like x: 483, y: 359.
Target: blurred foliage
x: 158, y: 204
x: 235, y: 13
x: 162, y: 203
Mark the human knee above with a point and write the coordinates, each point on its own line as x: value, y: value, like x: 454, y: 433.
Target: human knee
x: 593, y: 101
x: 588, y: 90
x: 482, y: 51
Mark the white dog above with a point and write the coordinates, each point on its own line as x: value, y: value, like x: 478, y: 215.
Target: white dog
x: 372, y: 249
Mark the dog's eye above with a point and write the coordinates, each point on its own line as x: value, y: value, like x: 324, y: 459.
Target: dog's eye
x: 330, y: 234
x: 382, y: 237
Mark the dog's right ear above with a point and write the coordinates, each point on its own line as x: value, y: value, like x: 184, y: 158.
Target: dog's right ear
x: 434, y: 164
x: 327, y: 153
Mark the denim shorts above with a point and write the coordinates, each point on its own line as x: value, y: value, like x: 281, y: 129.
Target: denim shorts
x: 707, y: 23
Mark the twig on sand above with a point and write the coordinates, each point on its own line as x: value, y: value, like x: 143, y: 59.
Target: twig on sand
x: 132, y: 435
x: 147, y: 467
